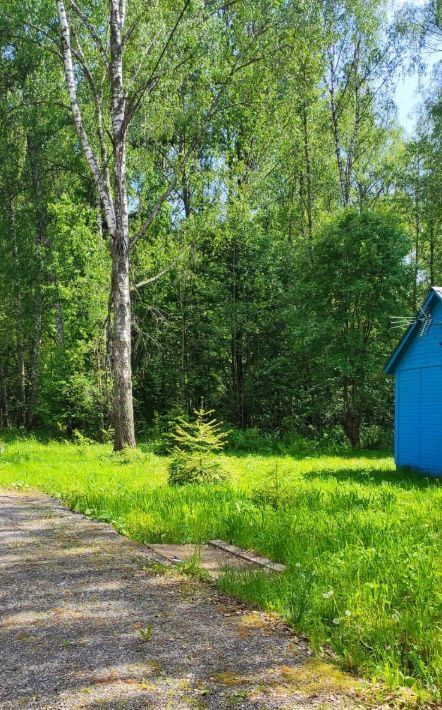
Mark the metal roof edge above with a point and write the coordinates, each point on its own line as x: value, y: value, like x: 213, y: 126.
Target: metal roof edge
x: 388, y: 369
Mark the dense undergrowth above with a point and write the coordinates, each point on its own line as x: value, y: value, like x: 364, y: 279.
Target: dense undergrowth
x: 362, y: 542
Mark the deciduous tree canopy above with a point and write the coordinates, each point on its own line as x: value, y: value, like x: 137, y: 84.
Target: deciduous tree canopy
x: 209, y: 199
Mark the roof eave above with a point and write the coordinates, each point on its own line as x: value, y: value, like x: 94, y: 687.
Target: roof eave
x: 389, y: 367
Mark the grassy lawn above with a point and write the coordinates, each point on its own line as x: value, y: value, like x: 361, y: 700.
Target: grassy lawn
x: 362, y: 542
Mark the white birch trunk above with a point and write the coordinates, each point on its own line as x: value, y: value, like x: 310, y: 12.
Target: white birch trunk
x: 115, y: 209
x: 71, y: 86
x: 123, y: 404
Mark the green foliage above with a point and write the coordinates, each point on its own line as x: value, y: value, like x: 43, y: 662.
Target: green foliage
x: 202, y: 435
x: 267, y: 165
x: 250, y: 440
x: 146, y: 633
x: 195, y: 444
x: 360, y: 281
x: 185, y: 468
x: 280, y: 267
x: 357, y: 536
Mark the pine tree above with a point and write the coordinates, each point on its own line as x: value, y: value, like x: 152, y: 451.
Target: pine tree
x: 195, y: 444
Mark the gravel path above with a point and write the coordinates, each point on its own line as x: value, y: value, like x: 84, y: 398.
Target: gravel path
x: 88, y: 621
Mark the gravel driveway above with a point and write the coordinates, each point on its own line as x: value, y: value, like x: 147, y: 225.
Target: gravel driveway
x: 88, y: 621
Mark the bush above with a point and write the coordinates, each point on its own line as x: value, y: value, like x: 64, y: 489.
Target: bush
x: 376, y: 437
x: 250, y: 440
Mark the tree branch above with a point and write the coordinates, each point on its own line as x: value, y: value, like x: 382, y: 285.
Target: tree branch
x: 192, y: 147
x: 134, y: 102
x: 97, y: 96
x: 91, y: 29
x: 152, y: 279
x: 66, y: 50
x: 142, y: 231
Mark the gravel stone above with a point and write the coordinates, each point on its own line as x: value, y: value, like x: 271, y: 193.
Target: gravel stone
x: 88, y: 621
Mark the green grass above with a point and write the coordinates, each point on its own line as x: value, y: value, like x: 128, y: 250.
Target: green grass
x: 362, y: 542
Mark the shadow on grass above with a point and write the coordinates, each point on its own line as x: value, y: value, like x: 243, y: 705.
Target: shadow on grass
x: 160, y: 447
x: 402, y: 478
x: 301, y: 454
x: 11, y: 436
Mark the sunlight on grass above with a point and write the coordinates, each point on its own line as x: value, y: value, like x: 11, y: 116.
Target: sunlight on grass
x: 361, y: 541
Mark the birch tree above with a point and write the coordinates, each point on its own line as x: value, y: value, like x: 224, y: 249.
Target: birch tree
x: 109, y: 171
x: 112, y: 194
x: 162, y: 50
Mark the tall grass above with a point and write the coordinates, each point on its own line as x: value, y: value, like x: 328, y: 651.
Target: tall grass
x: 362, y: 543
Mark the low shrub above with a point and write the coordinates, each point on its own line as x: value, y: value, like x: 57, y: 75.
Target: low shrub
x: 250, y: 441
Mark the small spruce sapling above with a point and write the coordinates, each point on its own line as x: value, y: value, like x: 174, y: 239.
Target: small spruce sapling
x: 195, y: 444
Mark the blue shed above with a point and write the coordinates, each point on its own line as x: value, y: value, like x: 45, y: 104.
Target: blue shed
x: 417, y: 368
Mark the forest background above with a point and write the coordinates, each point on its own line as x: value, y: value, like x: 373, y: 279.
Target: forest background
x: 277, y: 213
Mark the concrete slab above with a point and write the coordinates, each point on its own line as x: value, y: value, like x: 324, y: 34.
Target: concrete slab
x: 214, y: 557
x: 247, y: 556
x: 210, y: 559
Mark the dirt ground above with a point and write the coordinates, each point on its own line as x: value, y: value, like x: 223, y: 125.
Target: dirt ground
x: 88, y: 620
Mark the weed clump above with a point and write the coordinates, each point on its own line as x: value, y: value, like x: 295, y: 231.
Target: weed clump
x: 126, y: 457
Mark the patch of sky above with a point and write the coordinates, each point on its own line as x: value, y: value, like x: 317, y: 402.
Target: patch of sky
x: 414, y: 81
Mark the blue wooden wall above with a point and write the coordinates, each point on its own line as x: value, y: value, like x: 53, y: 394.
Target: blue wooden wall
x: 418, y: 425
